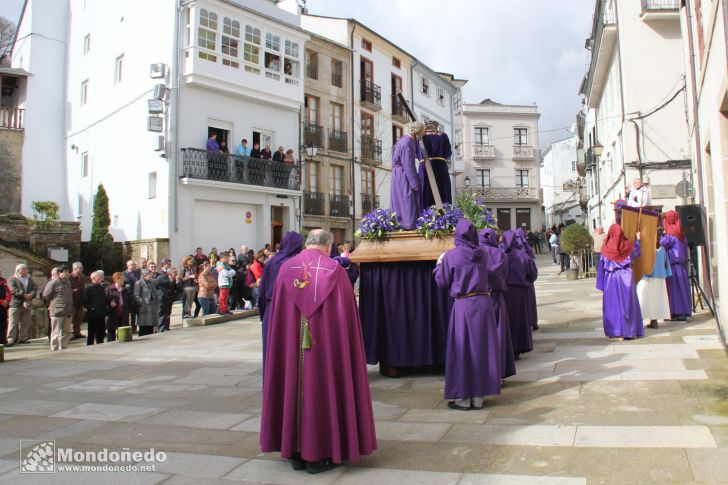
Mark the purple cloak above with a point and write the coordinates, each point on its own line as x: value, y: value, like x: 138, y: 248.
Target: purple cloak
x: 678, y: 285
x: 522, y: 272
x: 316, y: 400
x: 405, y: 186
x: 620, y: 306
x: 533, y: 306
x: 497, y: 277
x: 473, y: 360
x: 291, y: 244
x: 439, y: 150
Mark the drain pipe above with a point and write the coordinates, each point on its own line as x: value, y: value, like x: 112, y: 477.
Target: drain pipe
x: 353, y: 157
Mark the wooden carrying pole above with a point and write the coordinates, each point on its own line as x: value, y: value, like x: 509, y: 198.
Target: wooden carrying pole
x: 428, y: 165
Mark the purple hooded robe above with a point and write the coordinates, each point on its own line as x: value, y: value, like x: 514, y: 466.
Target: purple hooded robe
x: 316, y: 398
x: 497, y: 277
x: 439, y: 149
x: 522, y: 272
x: 678, y: 285
x: 533, y: 306
x: 291, y: 245
x: 405, y: 186
x: 473, y: 360
x: 620, y: 306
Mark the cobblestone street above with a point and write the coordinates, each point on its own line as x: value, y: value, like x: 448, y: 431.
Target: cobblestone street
x: 582, y: 409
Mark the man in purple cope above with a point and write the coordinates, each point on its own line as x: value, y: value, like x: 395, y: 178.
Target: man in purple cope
x: 405, y: 187
x: 438, y: 149
x: 317, y: 409
x: 473, y: 367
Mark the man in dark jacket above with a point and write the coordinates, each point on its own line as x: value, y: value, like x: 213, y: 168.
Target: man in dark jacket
x: 23, y: 291
x: 59, y: 295
x: 131, y: 276
x: 78, y: 283
x: 169, y: 287
x: 94, y: 300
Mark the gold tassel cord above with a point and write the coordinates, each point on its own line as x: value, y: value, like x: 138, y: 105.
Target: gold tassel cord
x: 306, y: 340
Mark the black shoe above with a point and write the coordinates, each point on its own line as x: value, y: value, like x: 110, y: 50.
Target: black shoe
x: 297, y: 462
x: 314, y: 467
x: 653, y: 324
x: 454, y: 406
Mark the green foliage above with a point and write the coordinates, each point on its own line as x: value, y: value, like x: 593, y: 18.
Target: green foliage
x: 101, y: 244
x: 575, y: 238
x: 45, y: 214
x: 474, y: 210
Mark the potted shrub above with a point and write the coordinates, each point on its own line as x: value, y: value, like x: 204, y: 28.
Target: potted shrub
x: 574, y: 239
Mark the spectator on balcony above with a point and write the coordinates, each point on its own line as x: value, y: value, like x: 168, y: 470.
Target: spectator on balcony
x: 288, y: 69
x: 212, y: 144
x: 279, y: 155
x: 289, y: 158
x: 255, y: 152
x: 242, y: 149
x: 224, y: 147
x: 265, y: 153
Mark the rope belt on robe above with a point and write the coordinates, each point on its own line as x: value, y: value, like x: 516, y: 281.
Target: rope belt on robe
x: 438, y: 158
x: 470, y: 295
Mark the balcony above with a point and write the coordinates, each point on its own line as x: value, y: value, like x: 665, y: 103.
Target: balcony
x: 371, y: 151
x: 222, y: 167
x: 313, y: 135
x: 523, y: 152
x: 660, y: 9
x: 11, y: 118
x: 369, y: 202
x: 399, y: 114
x: 314, y: 203
x: 338, y: 141
x: 371, y: 95
x: 338, y: 205
x: 509, y: 194
x: 602, y: 44
x: 483, y: 151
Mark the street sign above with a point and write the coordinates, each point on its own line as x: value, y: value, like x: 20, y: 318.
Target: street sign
x: 684, y: 189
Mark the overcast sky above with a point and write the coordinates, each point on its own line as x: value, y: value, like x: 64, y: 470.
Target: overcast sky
x: 512, y: 51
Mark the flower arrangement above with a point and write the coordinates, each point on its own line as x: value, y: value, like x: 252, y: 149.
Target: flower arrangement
x: 474, y: 210
x: 377, y: 224
x: 438, y: 223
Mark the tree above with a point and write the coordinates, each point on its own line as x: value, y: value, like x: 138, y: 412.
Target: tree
x: 574, y: 239
x: 45, y: 214
x: 7, y: 35
x: 101, y: 245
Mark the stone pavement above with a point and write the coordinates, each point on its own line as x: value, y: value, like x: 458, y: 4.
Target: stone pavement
x: 581, y: 409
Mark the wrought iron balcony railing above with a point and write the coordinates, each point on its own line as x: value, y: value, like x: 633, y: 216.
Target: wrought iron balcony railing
x: 371, y: 94
x: 371, y: 150
x: 398, y: 112
x: 313, y: 135
x: 338, y: 141
x: 224, y: 167
x: 338, y: 205
x: 483, y: 151
x: 314, y: 203
x: 369, y: 202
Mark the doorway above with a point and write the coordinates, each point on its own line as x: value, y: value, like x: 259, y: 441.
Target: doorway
x: 504, y: 219
x: 276, y: 225
x: 523, y: 218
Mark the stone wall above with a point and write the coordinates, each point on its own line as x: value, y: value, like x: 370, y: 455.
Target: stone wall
x: 20, y: 232
x: 11, y: 149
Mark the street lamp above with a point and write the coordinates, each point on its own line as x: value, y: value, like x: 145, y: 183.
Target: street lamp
x: 598, y: 148
x: 311, y: 151
x: 467, y: 182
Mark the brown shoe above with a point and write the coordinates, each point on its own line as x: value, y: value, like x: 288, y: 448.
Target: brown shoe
x: 653, y: 324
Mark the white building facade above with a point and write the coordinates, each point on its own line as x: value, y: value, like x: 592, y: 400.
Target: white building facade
x: 560, y: 183
x: 634, y: 105
x: 501, y: 161
x: 232, y: 68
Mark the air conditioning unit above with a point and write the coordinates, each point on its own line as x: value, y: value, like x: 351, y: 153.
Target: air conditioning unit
x: 160, y: 90
x: 159, y: 143
x: 155, y: 106
x: 158, y: 71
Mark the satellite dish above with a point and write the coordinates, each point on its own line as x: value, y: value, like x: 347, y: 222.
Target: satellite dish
x: 684, y: 189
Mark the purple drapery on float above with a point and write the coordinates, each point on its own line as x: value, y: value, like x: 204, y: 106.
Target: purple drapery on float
x: 404, y: 314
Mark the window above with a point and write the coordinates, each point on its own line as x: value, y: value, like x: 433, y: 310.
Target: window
x: 397, y: 133
x: 312, y: 169
x: 291, y: 63
x: 118, y: 69
x: 366, y: 45
x: 311, y: 104
x: 79, y: 207
x: 84, y: 92
x: 573, y: 166
x: 336, y: 114
x: 335, y: 181
x: 522, y: 178
x: 337, y: 73
x: 520, y: 136
x: 481, y: 136
x: 272, y: 56
x: 206, y: 35
x: 396, y: 62
x: 440, y: 95
x: 272, y: 42
x: 482, y: 178
x: 86, y: 43
x: 425, y: 88
x: 152, y: 190
x: 230, y: 42
x: 367, y: 181
x: 251, y: 49
x: 291, y: 49
x: 84, y: 164
x: 311, y: 64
